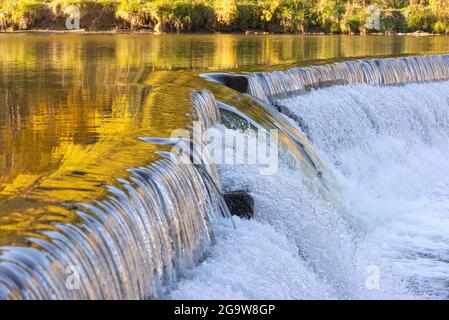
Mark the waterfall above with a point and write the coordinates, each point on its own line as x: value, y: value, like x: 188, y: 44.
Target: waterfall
x: 134, y: 243
x: 205, y: 108
x: 268, y: 86
x: 387, y: 147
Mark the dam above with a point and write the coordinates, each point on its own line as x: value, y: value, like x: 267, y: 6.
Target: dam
x: 94, y: 203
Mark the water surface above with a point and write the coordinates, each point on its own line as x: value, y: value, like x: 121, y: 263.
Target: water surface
x: 72, y: 107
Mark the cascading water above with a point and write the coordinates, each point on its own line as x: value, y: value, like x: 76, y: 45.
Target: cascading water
x: 268, y: 86
x: 387, y: 148
x: 131, y: 245
x: 379, y: 232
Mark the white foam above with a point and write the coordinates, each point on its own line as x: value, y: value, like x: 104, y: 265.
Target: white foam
x: 299, y: 246
x: 252, y: 261
x: 388, y: 147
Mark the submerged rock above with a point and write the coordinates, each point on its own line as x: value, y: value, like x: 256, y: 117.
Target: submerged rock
x: 240, y: 203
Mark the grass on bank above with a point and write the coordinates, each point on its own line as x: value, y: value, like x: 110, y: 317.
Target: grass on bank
x: 331, y: 16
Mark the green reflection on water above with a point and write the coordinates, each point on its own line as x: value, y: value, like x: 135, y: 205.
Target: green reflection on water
x: 73, y: 106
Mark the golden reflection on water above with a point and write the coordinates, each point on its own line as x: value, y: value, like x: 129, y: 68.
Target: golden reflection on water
x: 73, y: 106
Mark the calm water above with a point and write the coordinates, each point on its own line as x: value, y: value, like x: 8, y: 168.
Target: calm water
x: 72, y: 107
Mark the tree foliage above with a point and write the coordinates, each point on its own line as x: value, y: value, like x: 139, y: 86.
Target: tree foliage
x: 331, y: 16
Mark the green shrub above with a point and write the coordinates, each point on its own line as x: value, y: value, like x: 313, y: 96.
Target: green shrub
x: 334, y: 16
x: 329, y: 13
x: 440, y: 10
x: 294, y: 16
x: 353, y: 18
x: 419, y: 17
x: 393, y: 21
x: 249, y: 16
x: 132, y: 12
x: 226, y: 13
x: 19, y: 13
x: 441, y: 27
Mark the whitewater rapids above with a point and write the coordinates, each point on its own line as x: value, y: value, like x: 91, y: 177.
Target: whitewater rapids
x: 388, y: 148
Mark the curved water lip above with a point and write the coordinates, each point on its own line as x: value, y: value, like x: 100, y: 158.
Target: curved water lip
x: 224, y: 106
x: 281, y: 122
x: 133, y: 243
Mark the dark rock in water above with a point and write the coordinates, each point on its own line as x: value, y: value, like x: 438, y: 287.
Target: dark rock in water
x: 234, y: 81
x: 240, y: 203
x: 239, y: 83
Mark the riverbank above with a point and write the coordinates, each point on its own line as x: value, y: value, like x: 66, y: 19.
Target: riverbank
x: 206, y: 32
x: 230, y: 16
